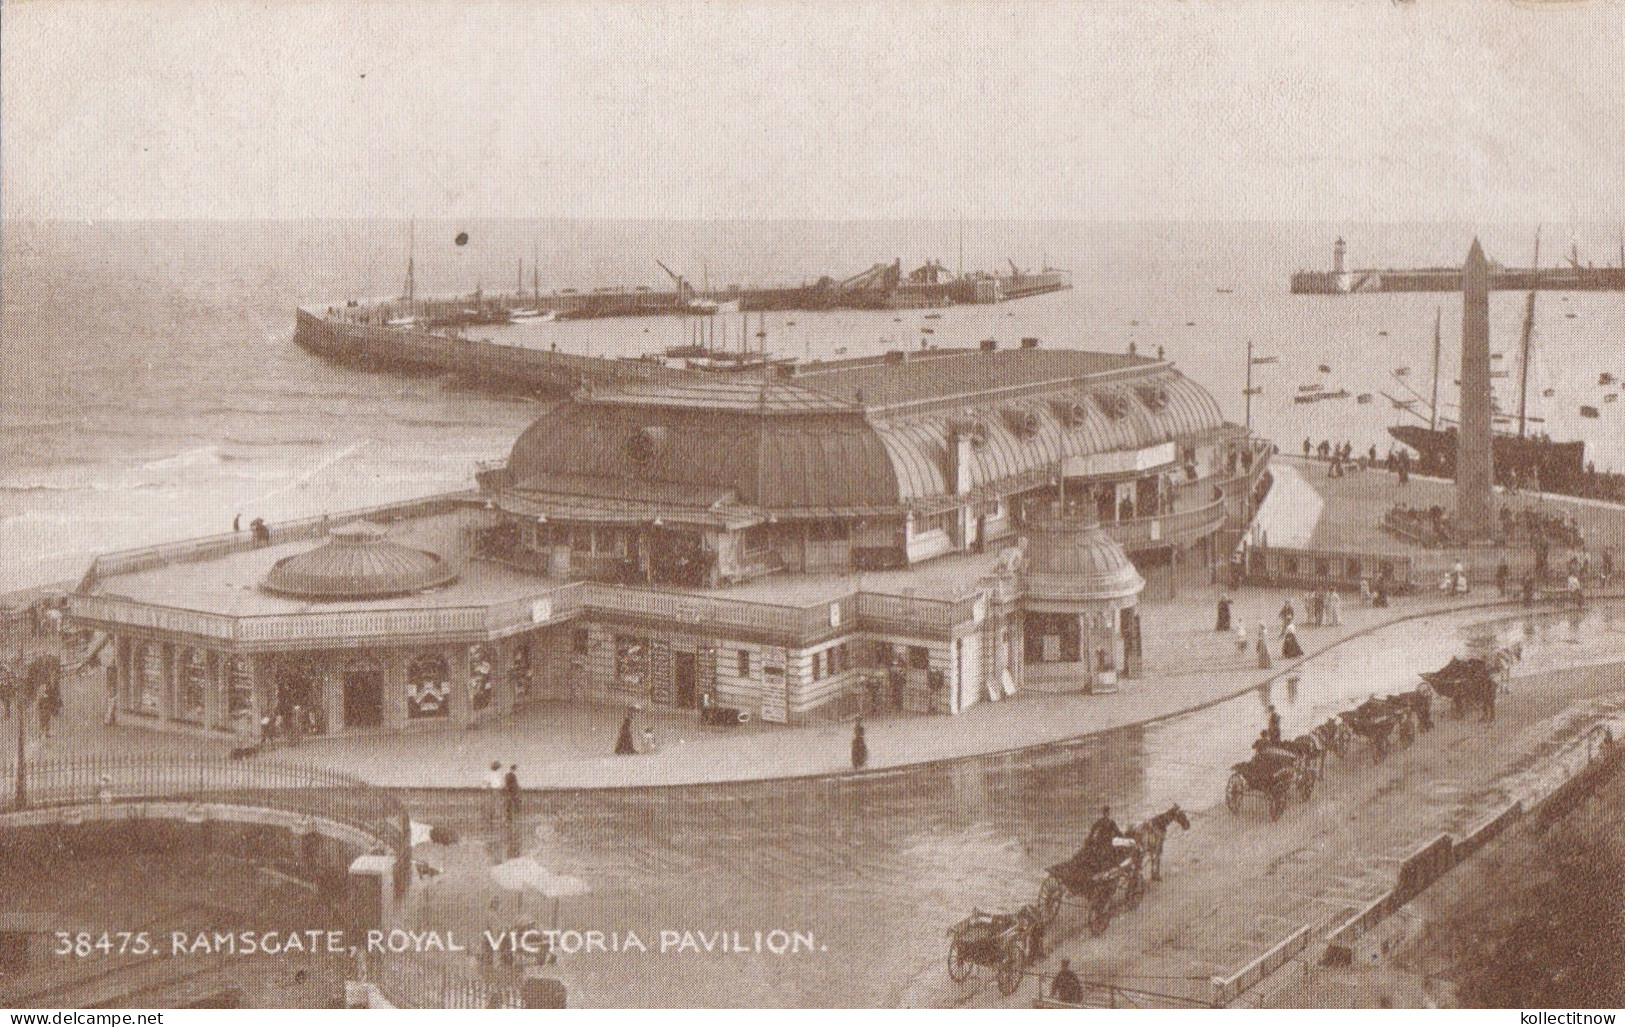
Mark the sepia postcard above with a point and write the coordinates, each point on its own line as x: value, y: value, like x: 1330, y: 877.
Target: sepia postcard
x: 683, y: 505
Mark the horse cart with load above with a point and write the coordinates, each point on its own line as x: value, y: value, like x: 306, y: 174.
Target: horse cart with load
x: 1386, y: 723
x: 1104, y: 881
x: 1004, y: 942
x: 1277, y: 772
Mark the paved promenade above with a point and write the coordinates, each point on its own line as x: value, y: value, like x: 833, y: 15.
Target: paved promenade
x: 1187, y: 665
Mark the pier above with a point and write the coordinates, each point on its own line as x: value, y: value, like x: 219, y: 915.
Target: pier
x: 1341, y: 281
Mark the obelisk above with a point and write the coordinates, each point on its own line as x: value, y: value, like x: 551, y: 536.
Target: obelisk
x: 1475, y: 443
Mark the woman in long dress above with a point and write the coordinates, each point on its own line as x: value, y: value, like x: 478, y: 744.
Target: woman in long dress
x: 624, y: 746
x: 860, y: 748
x: 1290, y: 649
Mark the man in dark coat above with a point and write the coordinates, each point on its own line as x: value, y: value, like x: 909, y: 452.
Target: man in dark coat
x: 1222, y: 623
x: 1102, y: 832
x: 1066, y: 988
x: 510, y: 793
x: 624, y: 746
x: 860, y: 747
x: 1273, y: 732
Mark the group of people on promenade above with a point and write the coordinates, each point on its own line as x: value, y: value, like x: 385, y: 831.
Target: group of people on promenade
x: 1323, y: 608
x: 1341, y: 459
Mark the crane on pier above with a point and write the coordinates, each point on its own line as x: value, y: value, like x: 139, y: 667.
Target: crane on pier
x: 685, y: 291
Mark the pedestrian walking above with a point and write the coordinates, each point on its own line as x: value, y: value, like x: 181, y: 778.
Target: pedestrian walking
x: 624, y: 746
x: 649, y: 743
x: 1290, y: 649
x: 1241, y: 637
x: 494, y: 781
x: 510, y: 793
x: 860, y: 747
x: 1263, y: 647
x: 1334, y: 607
x: 1502, y: 573
x: 1273, y: 731
x: 1288, y: 615
x: 1222, y: 622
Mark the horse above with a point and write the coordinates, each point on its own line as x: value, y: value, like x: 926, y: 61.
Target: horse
x: 1312, y: 749
x: 1150, y: 834
x: 1500, y: 662
x: 1420, y: 702
x: 1334, y: 736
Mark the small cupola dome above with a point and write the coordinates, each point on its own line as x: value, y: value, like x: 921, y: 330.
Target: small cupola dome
x: 1072, y: 559
x: 358, y: 561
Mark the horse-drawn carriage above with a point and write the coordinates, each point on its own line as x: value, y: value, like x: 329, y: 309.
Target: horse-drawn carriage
x: 1103, y: 880
x: 1388, y: 722
x: 1275, y: 770
x: 1006, y: 942
x: 1469, y: 683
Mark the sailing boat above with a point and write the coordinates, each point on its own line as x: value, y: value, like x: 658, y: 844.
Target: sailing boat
x: 1559, y: 466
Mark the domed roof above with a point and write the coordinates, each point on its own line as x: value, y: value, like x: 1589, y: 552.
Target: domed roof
x: 358, y: 561
x: 1072, y: 560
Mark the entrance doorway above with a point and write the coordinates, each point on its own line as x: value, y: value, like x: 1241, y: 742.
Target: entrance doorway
x: 685, y: 676
x: 299, y: 698
x: 363, y: 697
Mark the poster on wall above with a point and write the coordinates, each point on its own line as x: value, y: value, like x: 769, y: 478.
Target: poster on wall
x: 660, y: 673
x: 707, y: 670
x: 775, y: 698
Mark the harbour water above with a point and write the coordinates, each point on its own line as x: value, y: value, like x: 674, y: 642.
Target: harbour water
x: 151, y: 390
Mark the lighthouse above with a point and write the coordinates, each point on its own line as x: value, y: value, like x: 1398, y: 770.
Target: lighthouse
x: 1339, y: 248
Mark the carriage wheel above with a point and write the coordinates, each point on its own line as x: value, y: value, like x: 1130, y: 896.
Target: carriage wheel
x: 1100, y: 916
x: 958, y: 965
x: 1233, y: 791
x: 1049, y: 901
x: 1009, y: 970
x: 1136, y: 889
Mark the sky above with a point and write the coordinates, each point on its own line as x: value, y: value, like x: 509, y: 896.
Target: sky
x: 1336, y: 110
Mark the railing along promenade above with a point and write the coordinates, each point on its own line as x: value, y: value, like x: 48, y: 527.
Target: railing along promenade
x: 56, y: 787
x: 1168, y: 529
x: 209, y: 547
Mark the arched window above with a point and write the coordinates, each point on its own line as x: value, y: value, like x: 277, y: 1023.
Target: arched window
x: 428, y: 687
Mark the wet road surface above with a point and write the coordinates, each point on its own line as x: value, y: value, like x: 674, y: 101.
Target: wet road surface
x: 875, y: 869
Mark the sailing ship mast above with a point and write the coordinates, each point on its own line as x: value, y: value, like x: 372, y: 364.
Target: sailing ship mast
x: 1433, y: 405
x: 1528, y: 334
x: 411, y: 272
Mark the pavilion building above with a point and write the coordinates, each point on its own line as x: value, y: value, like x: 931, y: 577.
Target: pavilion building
x: 911, y: 531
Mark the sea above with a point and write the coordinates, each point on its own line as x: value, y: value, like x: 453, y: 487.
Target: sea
x: 152, y: 391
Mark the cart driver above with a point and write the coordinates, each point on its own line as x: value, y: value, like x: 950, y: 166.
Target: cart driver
x: 1102, y: 833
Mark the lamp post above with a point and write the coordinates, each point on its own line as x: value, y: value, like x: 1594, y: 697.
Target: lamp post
x: 1249, y: 392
